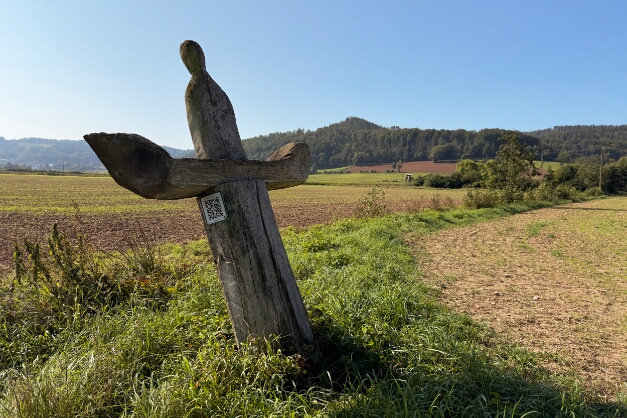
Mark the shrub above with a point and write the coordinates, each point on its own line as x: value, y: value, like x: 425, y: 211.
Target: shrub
x: 373, y: 204
x: 471, y: 178
x: 441, y: 204
x: 593, y: 191
x: 543, y: 193
x: 566, y: 192
x: 453, y: 181
x: 437, y: 181
x: 419, y: 181
x: 480, y: 199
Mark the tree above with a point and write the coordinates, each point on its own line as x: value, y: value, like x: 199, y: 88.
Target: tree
x: 466, y: 165
x: 513, y: 168
x: 399, y: 165
x: 444, y: 152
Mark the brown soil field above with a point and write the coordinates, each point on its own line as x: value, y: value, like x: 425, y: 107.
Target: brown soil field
x: 553, y: 280
x: 410, y: 167
x: 113, y: 218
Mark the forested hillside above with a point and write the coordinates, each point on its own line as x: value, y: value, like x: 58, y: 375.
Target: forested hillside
x: 356, y: 141
x: 567, y: 143
x: 55, y: 154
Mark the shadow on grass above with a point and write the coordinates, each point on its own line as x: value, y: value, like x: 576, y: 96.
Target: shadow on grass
x: 364, y: 382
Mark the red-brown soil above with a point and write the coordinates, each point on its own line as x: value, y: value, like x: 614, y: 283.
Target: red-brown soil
x: 410, y: 167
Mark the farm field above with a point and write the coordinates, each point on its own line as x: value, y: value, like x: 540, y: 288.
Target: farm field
x: 360, y: 179
x: 413, y: 167
x: 111, y: 216
x: 553, y: 280
x: 549, y: 281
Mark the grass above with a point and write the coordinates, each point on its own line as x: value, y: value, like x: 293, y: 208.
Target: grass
x: 389, y: 349
x: 395, y: 179
x: 546, y: 164
x: 534, y: 228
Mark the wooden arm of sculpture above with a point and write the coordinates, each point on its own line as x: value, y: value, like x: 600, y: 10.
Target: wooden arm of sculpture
x: 145, y: 168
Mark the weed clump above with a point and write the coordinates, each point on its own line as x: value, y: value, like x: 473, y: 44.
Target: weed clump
x: 373, y: 204
x: 54, y: 291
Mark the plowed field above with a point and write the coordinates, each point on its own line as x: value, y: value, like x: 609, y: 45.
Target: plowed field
x: 112, y: 217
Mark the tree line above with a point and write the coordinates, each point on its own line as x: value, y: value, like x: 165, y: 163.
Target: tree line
x: 356, y: 141
x: 513, y: 177
x: 567, y: 144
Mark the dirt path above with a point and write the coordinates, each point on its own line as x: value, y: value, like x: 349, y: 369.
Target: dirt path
x: 554, y: 280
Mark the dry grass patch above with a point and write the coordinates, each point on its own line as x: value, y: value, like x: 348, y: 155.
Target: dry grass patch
x: 554, y: 280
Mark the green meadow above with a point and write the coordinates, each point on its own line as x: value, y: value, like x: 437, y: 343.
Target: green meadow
x: 392, y: 179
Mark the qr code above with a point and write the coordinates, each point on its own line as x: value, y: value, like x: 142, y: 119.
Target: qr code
x: 213, y: 207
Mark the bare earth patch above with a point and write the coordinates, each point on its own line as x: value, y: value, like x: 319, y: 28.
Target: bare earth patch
x: 553, y: 280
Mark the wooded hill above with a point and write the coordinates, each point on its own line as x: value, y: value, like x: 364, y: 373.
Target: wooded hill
x: 55, y: 154
x: 356, y: 141
x: 567, y: 143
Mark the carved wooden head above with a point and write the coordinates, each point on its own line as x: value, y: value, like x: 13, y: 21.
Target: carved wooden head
x: 193, y: 57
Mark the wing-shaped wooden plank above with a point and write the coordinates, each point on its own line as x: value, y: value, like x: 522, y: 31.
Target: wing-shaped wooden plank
x: 145, y: 168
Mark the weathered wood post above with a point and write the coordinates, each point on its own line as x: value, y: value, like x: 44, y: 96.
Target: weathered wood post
x: 262, y: 297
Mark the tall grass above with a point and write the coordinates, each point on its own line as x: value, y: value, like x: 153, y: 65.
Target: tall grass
x: 388, y: 348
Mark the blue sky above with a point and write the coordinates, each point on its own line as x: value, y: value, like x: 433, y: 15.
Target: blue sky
x: 68, y: 68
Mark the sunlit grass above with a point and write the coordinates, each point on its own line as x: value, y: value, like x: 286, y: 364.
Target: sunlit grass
x: 545, y: 165
x: 392, y: 179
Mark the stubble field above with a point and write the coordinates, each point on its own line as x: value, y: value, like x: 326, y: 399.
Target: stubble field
x: 552, y: 280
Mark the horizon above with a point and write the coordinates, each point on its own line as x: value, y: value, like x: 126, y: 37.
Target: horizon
x: 321, y: 127
x: 72, y: 68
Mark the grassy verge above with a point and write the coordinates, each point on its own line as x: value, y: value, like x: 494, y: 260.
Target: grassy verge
x: 159, y: 343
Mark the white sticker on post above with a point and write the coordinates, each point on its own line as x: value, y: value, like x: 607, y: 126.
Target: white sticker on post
x: 213, y: 207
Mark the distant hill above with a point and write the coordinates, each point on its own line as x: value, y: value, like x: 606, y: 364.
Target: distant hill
x: 567, y: 143
x: 57, y: 154
x: 356, y: 141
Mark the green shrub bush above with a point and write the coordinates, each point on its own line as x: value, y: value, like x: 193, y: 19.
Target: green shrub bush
x: 480, y: 199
